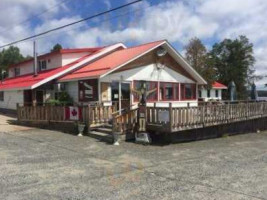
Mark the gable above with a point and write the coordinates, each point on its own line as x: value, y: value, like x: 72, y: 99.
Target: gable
x: 148, y: 72
x: 152, y: 59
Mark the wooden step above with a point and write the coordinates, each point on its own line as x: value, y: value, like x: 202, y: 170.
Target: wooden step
x: 102, y: 136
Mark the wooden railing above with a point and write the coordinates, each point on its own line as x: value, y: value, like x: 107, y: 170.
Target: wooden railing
x: 175, y: 119
x: 127, y: 121
x: 91, y: 115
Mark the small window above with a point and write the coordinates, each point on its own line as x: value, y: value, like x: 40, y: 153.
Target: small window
x: 42, y: 65
x: 208, y: 93
x: 169, y: 91
x: 217, y: 93
x: 1, y: 96
x: 188, y: 91
x: 17, y: 71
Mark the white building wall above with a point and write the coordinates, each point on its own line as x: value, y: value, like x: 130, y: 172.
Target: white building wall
x: 11, y: 98
x: 204, y: 95
x: 53, y: 61
x: 71, y: 57
x: 148, y: 73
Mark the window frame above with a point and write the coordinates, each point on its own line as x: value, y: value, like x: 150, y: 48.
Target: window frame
x: 16, y: 71
x: 183, y: 90
x: 176, y: 96
x: 135, y: 99
x: 41, y: 65
x: 208, y: 93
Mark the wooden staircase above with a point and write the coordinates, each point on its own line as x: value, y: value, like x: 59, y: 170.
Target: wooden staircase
x: 102, y: 133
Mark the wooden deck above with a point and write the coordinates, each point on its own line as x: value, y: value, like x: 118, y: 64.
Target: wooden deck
x: 179, y: 119
x: 159, y: 119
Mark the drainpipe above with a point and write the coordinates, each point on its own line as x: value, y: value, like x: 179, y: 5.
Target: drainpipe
x: 35, y: 64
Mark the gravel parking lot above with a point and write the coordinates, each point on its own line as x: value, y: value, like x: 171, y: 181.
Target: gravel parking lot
x: 42, y: 164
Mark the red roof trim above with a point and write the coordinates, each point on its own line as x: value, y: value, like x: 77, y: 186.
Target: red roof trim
x: 218, y: 85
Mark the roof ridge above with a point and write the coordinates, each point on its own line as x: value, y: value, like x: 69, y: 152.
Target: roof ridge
x: 146, y: 44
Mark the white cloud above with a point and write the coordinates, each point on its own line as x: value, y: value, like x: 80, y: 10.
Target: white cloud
x: 177, y: 21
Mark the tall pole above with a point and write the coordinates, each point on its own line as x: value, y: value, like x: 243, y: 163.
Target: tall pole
x: 35, y: 64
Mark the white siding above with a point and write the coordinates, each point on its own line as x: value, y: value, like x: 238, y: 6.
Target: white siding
x: 71, y: 57
x: 148, y: 73
x: 204, y: 95
x: 11, y: 98
x: 72, y: 90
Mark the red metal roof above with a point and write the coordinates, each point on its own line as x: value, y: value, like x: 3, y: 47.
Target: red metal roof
x: 61, y: 51
x: 218, y: 85
x: 27, y: 81
x: 109, y: 62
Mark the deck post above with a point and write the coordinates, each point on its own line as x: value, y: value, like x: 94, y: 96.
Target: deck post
x: 89, y: 118
x: 171, y: 117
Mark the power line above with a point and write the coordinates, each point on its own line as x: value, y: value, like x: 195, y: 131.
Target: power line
x: 102, y: 21
x: 70, y: 24
x: 34, y: 15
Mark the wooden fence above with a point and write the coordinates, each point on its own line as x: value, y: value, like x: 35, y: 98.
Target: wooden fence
x: 176, y: 119
x: 91, y: 115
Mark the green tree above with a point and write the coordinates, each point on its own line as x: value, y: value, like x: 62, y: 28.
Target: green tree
x: 10, y: 56
x: 233, y: 61
x: 56, y: 47
x: 197, y: 56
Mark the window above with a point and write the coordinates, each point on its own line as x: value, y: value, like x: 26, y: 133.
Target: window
x: 217, y: 93
x: 17, y: 71
x: 150, y: 85
x: 88, y: 90
x: 169, y: 91
x: 1, y: 96
x: 188, y: 91
x: 208, y: 93
x: 42, y: 65
x: 199, y: 94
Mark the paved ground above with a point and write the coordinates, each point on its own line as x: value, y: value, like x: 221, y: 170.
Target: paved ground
x: 5, y: 125
x: 40, y: 164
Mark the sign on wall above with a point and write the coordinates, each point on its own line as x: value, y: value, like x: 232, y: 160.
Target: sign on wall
x: 88, y: 90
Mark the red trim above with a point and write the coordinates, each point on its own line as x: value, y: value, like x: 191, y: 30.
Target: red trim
x: 175, y: 94
x: 149, y: 100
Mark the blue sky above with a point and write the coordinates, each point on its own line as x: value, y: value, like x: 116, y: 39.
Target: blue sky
x: 175, y: 20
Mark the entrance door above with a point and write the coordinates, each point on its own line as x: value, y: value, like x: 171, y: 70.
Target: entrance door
x: 39, y: 97
x: 27, y: 97
x: 125, y: 94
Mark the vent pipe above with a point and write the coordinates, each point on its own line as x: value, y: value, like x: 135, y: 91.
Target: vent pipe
x: 35, y: 63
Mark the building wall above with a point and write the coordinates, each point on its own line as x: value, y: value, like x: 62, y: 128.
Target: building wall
x: 204, y: 95
x: 71, y: 57
x: 11, y: 98
x: 53, y: 61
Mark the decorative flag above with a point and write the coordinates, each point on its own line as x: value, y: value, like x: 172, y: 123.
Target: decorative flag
x: 73, y: 113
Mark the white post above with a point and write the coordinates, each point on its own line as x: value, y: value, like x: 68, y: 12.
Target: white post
x: 120, y: 97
